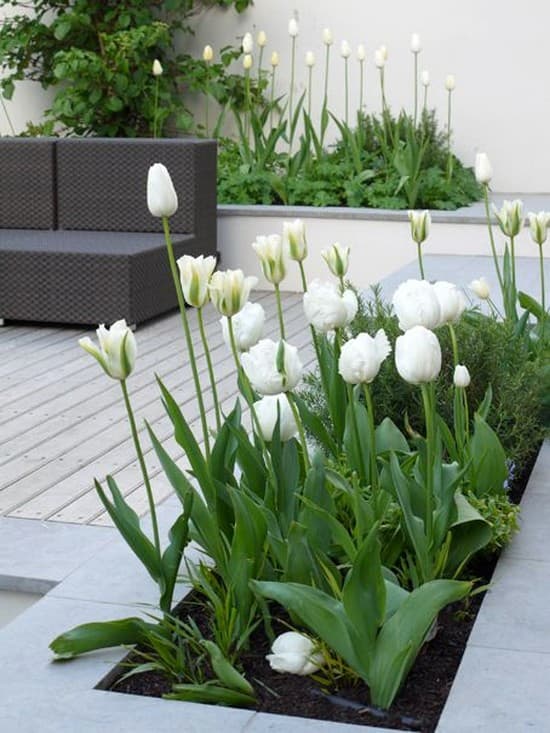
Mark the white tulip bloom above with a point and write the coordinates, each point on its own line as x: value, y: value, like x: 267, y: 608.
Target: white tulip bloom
x: 294, y: 653
x: 480, y: 288
x: 117, y: 349
x: 416, y: 46
x: 415, y: 303
x: 272, y: 367
x: 294, y: 234
x: 345, y: 50
x: 293, y: 27
x: 418, y: 355
x: 461, y: 377
x: 261, y: 40
x: 229, y: 290
x: 450, y: 82
x: 162, y: 198
x: 247, y: 61
x: 326, y: 309
x: 327, y: 37
x: 208, y: 54
x: 510, y: 217
x: 425, y: 78
x: 538, y: 226
x: 248, y: 43
x: 380, y: 58
x: 268, y: 409
x: 157, y: 68
x: 248, y: 326
x: 361, y: 357
x: 195, y: 274
x: 310, y: 59
x: 274, y: 59
x: 337, y: 258
x: 270, y: 252
x: 483, y: 168
x: 421, y: 222
x: 361, y: 52
x: 452, y: 302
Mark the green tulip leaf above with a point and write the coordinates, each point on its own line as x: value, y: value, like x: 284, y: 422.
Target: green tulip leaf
x: 101, y: 635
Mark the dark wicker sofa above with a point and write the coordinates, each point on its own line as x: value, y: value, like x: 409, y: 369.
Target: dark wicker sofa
x: 77, y: 242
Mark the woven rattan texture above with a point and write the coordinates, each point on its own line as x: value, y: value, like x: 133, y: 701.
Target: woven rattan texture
x: 102, y: 183
x: 27, y: 172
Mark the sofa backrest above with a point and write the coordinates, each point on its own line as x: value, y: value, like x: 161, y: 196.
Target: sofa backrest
x: 102, y: 182
x: 27, y: 172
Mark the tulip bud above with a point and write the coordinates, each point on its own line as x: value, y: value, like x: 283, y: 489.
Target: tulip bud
x: 293, y: 27
x: 326, y: 309
x: 425, y: 78
x: 117, y: 349
x: 162, y: 199
x: 229, y: 291
x: 345, y: 50
x: 415, y: 303
x: 207, y: 54
x: 157, y: 68
x: 451, y: 302
x: 337, y: 258
x: 361, y: 52
x: 294, y: 653
x: 415, y: 43
x: 420, y: 225
x: 248, y: 326
x: 268, y: 409
x: 450, y: 82
x: 418, y: 355
x: 361, y: 357
x: 261, y: 40
x: 327, y: 37
x: 310, y: 59
x: 195, y: 274
x: 270, y: 251
x: 538, y: 226
x: 510, y: 217
x: 274, y: 59
x: 247, y: 62
x: 483, y: 168
x: 294, y: 233
x: 480, y: 288
x: 379, y: 58
x: 248, y: 43
x: 272, y: 367
x: 461, y: 376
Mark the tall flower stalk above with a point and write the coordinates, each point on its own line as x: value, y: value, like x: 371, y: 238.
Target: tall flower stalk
x: 380, y: 58
x: 484, y: 174
x: 157, y: 73
x: 274, y: 64
x: 449, y: 86
x: 327, y: 40
x: 346, y: 53
x: 293, y: 32
x: 538, y: 226
x: 207, y: 56
x: 415, y: 48
x: 425, y: 79
x: 361, y: 56
x: 310, y: 63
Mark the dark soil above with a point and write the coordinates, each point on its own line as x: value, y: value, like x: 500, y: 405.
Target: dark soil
x: 417, y: 706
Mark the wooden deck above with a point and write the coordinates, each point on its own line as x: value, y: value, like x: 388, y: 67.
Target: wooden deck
x: 62, y: 421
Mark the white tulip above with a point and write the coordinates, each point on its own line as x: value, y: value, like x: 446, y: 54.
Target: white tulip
x: 117, y: 349
x: 208, y: 54
x: 425, y: 78
x: 272, y: 367
x: 538, y: 226
x: 420, y: 225
x: 480, y: 288
x: 229, y: 291
x: 416, y: 46
x: 293, y: 27
x: 361, y: 357
x: 268, y: 409
x: 162, y: 198
x: 327, y: 37
x: 294, y: 653
x: 461, y: 377
x: 248, y: 326
x: 337, y: 258
x: 310, y: 59
x: 483, y: 168
x: 345, y: 50
x: 418, y: 355
x: 450, y: 82
x: 326, y: 309
x: 248, y: 43
x: 261, y: 40
x: 379, y: 58
x: 157, y: 68
x: 274, y: 59
x: 451, y: 301
x: 361, y: 52
x: 294, y: 234
x: 270, y: 251
x: 384, y: 51
x: 247, y: 61
x: 195, y: 274
x: 416, y: 304
x: 510, y: 217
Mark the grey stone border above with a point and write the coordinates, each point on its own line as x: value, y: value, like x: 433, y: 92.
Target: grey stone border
x: 501, y: 684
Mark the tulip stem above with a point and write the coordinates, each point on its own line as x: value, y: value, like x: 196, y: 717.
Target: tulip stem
x: 426, y: 98
x: 361, y: 83
x: 415, y: 87
x: 313, y: 334
x: 142, y: 466
x: 372, y: 440
x: 355, y: 433
x: 248, y: 105
x: 210, y: 368
x: 346, y: 92
x: 325, y: 98
x: 155, y: 110
x: 491, y: 237
x: 543, y: 295
x: 454, y: 343
x: 420, y: 263
x: 291, y: 95
x: 187, y: 332
x: 246, y: 387
x: 428, y: 401
x: 272, y: 100
x: 384, y: 106
x: 513, y: 257
x: 449, y: 154
x: 309, y: 78
x: 280, y: 311
x: 260, y: 58
x: 300, y: 426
